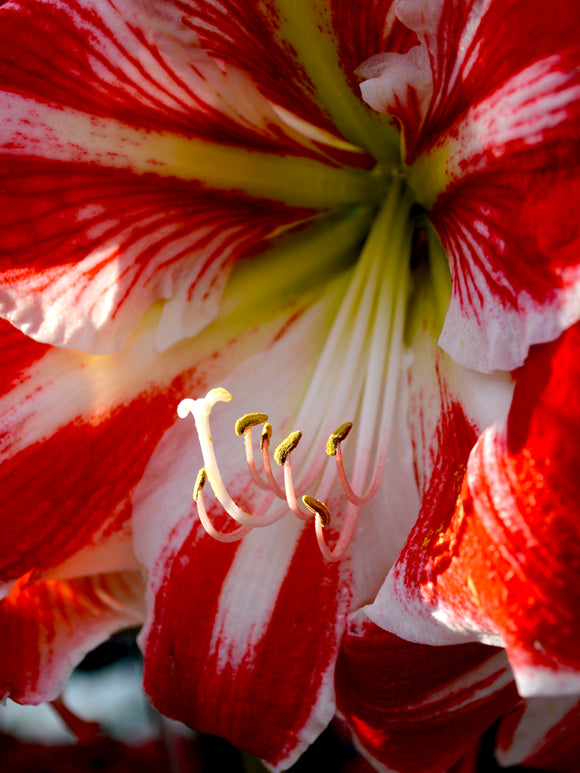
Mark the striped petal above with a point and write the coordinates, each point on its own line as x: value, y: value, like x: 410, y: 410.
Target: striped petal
x: 448, y: 407
x: 490, y: 120
x: 69, y: 456
x: 520, y: 496
x: 248, y: 626
x: 503, y: 565
x: 140, y: 170
x: 302, y: 55
x: 48, y: 627
x: 416, y: 708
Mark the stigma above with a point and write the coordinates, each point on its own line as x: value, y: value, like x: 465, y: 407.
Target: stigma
x: 304, y: 506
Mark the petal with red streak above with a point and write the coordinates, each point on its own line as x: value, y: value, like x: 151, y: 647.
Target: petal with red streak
x: 505, y: 566
x: 96, y: 215
x: 266, y: 611
x: 448, y: 406
x: 302, y: 55
x: 491, y: 131
x: 247, y: 625
x: 138, y: 62
x: 417, y: 708
x: 70, y: 454
x: 544, y: 733
x: 48, y: 627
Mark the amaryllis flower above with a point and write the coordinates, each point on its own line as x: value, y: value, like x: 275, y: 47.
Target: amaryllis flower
x: 319, y: 218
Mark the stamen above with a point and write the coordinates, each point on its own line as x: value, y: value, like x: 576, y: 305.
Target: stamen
x: 282, y: 457
x: 265, y: 446
x: 333, y: 448
x: 318, y: 508
x: 244, y: 427
x: 337, y: 437
x: 220, y: 536
x: 286, y: 447
x: 266, y: 435
x: 249, y: 420
x: 201, y: 409
x: 344, y: 538
x: 200, y: 482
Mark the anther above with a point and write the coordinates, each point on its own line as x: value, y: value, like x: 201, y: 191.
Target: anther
x: 244, y: 427
x: 200, y: 482
x: 282, y: 457
x: 286, y: 447
x: 266, y: 435
x: 249, y: 420
x: 318, y: 508
x: 337, y: 437
x: 221, y: 536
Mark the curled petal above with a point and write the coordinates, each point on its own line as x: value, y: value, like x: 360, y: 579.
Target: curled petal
x: 417, y: 708
x: 48, y: 627
x: 504, y: 568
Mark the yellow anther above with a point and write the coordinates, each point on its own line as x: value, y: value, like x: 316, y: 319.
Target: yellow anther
x: 200, y: 482
x: 249, y: 420
x: 337, y: 437
x: 286, y: 447
x: 318, y: 508
x: 266, y: 434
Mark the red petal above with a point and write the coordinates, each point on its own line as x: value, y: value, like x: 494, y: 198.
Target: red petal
x: 247, y: 626
x: 271, y: 694
x: 364, y: 30
x: 48, y: 627
x: 449, y: 405
x: 109, y: 243
x: 92, y: 216
x: 507, y: 220
x: 136, y: 62
x: 247, y: 36
x: 489, y: 105
x: 68, y: 460
x: 509, y: 563
x: 417, y: 708
x: 472, y: 50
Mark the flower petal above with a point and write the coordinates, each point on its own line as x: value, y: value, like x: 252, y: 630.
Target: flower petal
x: 417, y: 708
x: 504, y: 568
x: 48, y: 627
x: 141, y: 170
x: 247, y: 598
x: 247, y: 626
x: 543, y: 733
x: 69, y: 456
x: 448, y: 406
x: 136, y: 62
x: 493, y: 150
x: 309, y: 49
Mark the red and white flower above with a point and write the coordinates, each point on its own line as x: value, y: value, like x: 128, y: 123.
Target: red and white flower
x: 337, y: 213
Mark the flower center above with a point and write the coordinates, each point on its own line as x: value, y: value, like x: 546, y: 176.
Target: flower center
x: 358, y: 372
